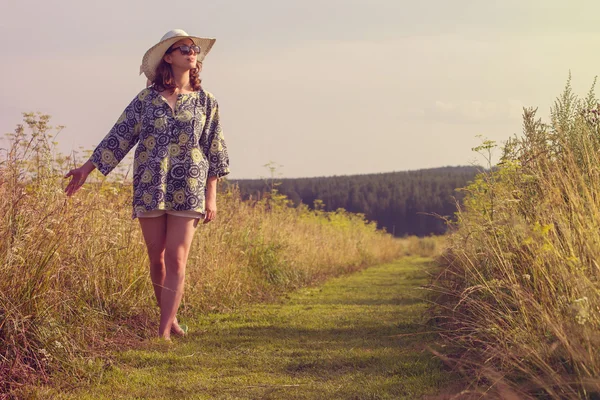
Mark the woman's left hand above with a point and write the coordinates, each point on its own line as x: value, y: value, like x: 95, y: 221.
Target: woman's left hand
x: 211, y: 210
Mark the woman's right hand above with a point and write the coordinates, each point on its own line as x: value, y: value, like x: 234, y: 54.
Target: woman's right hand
x: 78, y: 177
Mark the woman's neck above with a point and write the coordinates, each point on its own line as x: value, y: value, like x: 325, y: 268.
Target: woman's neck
x: 181, y: 79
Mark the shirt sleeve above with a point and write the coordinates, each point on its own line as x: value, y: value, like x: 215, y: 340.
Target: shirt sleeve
x: 121, y: 138
x: 217, y: 150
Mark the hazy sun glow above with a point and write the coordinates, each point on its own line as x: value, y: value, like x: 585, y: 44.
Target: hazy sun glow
x: 321, y: 87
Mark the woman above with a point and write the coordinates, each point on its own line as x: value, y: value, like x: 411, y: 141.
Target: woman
x: 180, y: 156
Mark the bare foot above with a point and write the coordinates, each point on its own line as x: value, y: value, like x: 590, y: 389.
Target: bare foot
x: 176, y: 329
x: 166, y: 338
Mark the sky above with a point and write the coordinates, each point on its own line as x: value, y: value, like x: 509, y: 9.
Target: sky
x: 318, y: 88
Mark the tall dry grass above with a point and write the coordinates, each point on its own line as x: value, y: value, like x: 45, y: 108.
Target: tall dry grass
x: 74, y: 271
x: 521, y: 281
x: 428, y: 246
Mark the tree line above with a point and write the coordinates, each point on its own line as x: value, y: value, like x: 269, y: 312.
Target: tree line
x: 404, y: 203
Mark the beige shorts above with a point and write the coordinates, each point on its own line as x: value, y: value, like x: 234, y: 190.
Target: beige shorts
x: 158, y: 213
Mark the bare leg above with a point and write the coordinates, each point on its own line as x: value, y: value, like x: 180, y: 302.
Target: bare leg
x: 180, y: 232
x: 155, y: 235
x: 154, y: 231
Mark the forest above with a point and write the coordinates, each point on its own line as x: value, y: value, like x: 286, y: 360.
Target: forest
x: 404, y: 203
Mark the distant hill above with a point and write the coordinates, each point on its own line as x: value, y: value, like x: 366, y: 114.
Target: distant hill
x: 396, y: 200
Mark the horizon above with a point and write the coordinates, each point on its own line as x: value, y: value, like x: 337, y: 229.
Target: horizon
x: 359, y: 174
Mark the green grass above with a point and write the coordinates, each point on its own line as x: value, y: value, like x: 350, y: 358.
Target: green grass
x: 355, y: 337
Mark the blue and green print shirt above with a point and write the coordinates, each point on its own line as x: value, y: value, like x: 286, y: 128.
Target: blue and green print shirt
x: 176, y: 153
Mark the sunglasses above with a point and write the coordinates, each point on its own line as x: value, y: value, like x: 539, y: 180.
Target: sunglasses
x: 185, y: 49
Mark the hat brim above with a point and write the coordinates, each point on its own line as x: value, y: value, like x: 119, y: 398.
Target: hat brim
x: 154, y: 55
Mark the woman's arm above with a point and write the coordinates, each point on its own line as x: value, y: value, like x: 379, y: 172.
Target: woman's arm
x: 211, y: 199
x: 216, y: 149
x: 113, y: 148
x: 79, y: 175
x: 121, y: 138
x: 216, y: 152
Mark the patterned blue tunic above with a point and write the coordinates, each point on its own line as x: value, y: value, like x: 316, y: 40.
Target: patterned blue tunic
x: 176, y: 152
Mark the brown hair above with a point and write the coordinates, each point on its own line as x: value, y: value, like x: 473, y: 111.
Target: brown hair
x: 163, y: 78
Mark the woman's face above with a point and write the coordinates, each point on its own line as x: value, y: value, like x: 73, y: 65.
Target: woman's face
x: 176, y: 59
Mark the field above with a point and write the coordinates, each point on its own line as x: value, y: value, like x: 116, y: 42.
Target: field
x: 75, y: 282
x: 516, y: 299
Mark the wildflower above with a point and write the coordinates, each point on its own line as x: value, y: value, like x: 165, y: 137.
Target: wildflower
x: 581, y: 309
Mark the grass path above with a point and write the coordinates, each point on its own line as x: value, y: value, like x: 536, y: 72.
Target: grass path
x: 336, y: 341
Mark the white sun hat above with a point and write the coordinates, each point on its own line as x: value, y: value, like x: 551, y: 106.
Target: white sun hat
x: 154, y: 55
